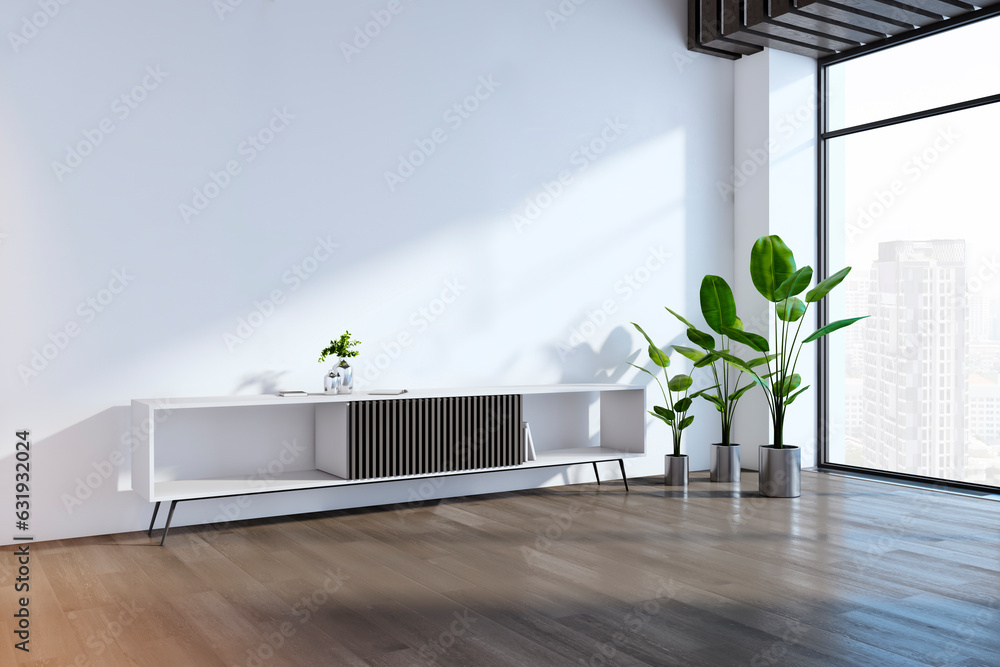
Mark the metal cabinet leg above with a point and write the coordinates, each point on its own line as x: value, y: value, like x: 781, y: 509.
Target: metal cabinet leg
x: 156, y: 508
x: 595, y: 473
x: 621, y: 464
x: 170, y: 516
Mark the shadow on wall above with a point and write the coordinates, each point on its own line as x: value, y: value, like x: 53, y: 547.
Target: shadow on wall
x: 582, y: 363
x: 264, y: 382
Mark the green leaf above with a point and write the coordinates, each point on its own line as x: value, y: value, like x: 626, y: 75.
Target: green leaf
x: 706, y: 360
x: 683, y: 405
x: 822, y: 289
x: 687, y: 422
x: 771, y: 262
x: 663, y: 412
x: 760, y: 361
x: 753, y: 340
x: 790, y: 310
x: 739, y: 364
x: 795, y: 283
x: 739, y: 392
x: 738, y: 324
x: 679, y: 383
x: 690, y: 353
x: 789, y: 384
x: 658, y: 356
x: 717, y: 303
x: 715, y: 400
x: 669, y: 422
x: 644, y: 370
x: 831, y: 327
x: 647, y: 372
x: 681, y: 318
x: 788, y: 401
x: 701, y: 339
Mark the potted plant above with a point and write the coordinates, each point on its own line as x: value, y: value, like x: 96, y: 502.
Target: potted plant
x: 673, y: 414
x: 774, y: 274
x: 340, y: 379
x: 719, y: 310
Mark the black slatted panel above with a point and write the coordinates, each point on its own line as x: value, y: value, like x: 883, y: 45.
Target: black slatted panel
x: 390, y: 438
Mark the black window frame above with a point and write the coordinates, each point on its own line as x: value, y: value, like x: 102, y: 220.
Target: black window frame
x: 823, y: 135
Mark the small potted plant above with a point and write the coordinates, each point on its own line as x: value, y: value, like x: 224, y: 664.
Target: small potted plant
x: 774, y: 274
x: 673, y: 414
x: 719, y: 310
x: 340, y: 379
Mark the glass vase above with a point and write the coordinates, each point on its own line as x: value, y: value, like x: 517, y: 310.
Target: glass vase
x: 332, y: 381
x: 346, y: 377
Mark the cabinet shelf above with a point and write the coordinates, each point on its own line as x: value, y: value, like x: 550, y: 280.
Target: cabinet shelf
x: 198, y: 448
x: 240, y: 485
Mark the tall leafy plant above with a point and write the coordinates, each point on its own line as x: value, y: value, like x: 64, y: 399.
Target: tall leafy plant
x: 674, y: 413
x: 718, y: 307
x: 774, y: 274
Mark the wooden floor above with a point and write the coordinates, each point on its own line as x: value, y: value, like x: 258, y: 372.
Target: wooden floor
x: 852, y: 573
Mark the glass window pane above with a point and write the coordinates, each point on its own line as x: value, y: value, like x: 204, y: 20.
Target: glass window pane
x: 953, y: 66
x: 915, y: 388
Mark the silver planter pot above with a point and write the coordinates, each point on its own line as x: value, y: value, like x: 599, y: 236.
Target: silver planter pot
x: 724, y: 463
x: 340, y: 379
x: 346, y: 377
x: 780, y: 471
x: 675, y: 470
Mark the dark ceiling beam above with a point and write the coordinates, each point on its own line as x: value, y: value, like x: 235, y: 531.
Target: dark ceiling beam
x: 814, y: 28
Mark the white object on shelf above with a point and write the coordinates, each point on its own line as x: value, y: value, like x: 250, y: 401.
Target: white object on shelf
x: 529, y: 446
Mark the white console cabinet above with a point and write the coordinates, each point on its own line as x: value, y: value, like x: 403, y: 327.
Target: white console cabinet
x: 198, y: 448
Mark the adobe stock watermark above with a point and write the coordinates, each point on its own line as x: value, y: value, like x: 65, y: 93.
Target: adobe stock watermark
x: 892, y: 531
x: 563, y: 12
x: 777, y: 652
x: 419, y: 321
x: 32, y: 24
x: 638, y: 617
x: 225, y: 7
x: 978, y: 627
x: 759, y: 158
x: 455, y: 116
x: 433, y: 650
x: 247, y: 150
x: 910, y: 345
x: 100, y: 641
x: 581, y: 158
x: 912, y: 170
x: 295, y: 277
x: 626, y: 288
x: 682, y: 59
x: 106, y: 467
x: 121, y: 108
x: 87, y: 311
x: 461, y: 457
x: 232, y: 510
x: 363, y: 35
x: 303, y: 611
x: 559, y: 525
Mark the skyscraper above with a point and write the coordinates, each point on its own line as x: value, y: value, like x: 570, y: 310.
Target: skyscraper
x: 914, y: 382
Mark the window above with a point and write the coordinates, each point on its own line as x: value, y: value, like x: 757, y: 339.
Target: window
x: 910, y: 142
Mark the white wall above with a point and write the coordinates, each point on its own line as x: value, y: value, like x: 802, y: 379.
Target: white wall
x: 210, y: 303
x: 774, y: 191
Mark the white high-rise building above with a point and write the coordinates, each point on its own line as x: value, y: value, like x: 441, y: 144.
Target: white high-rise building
x: 914, y: 382
x: 980, y: 317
